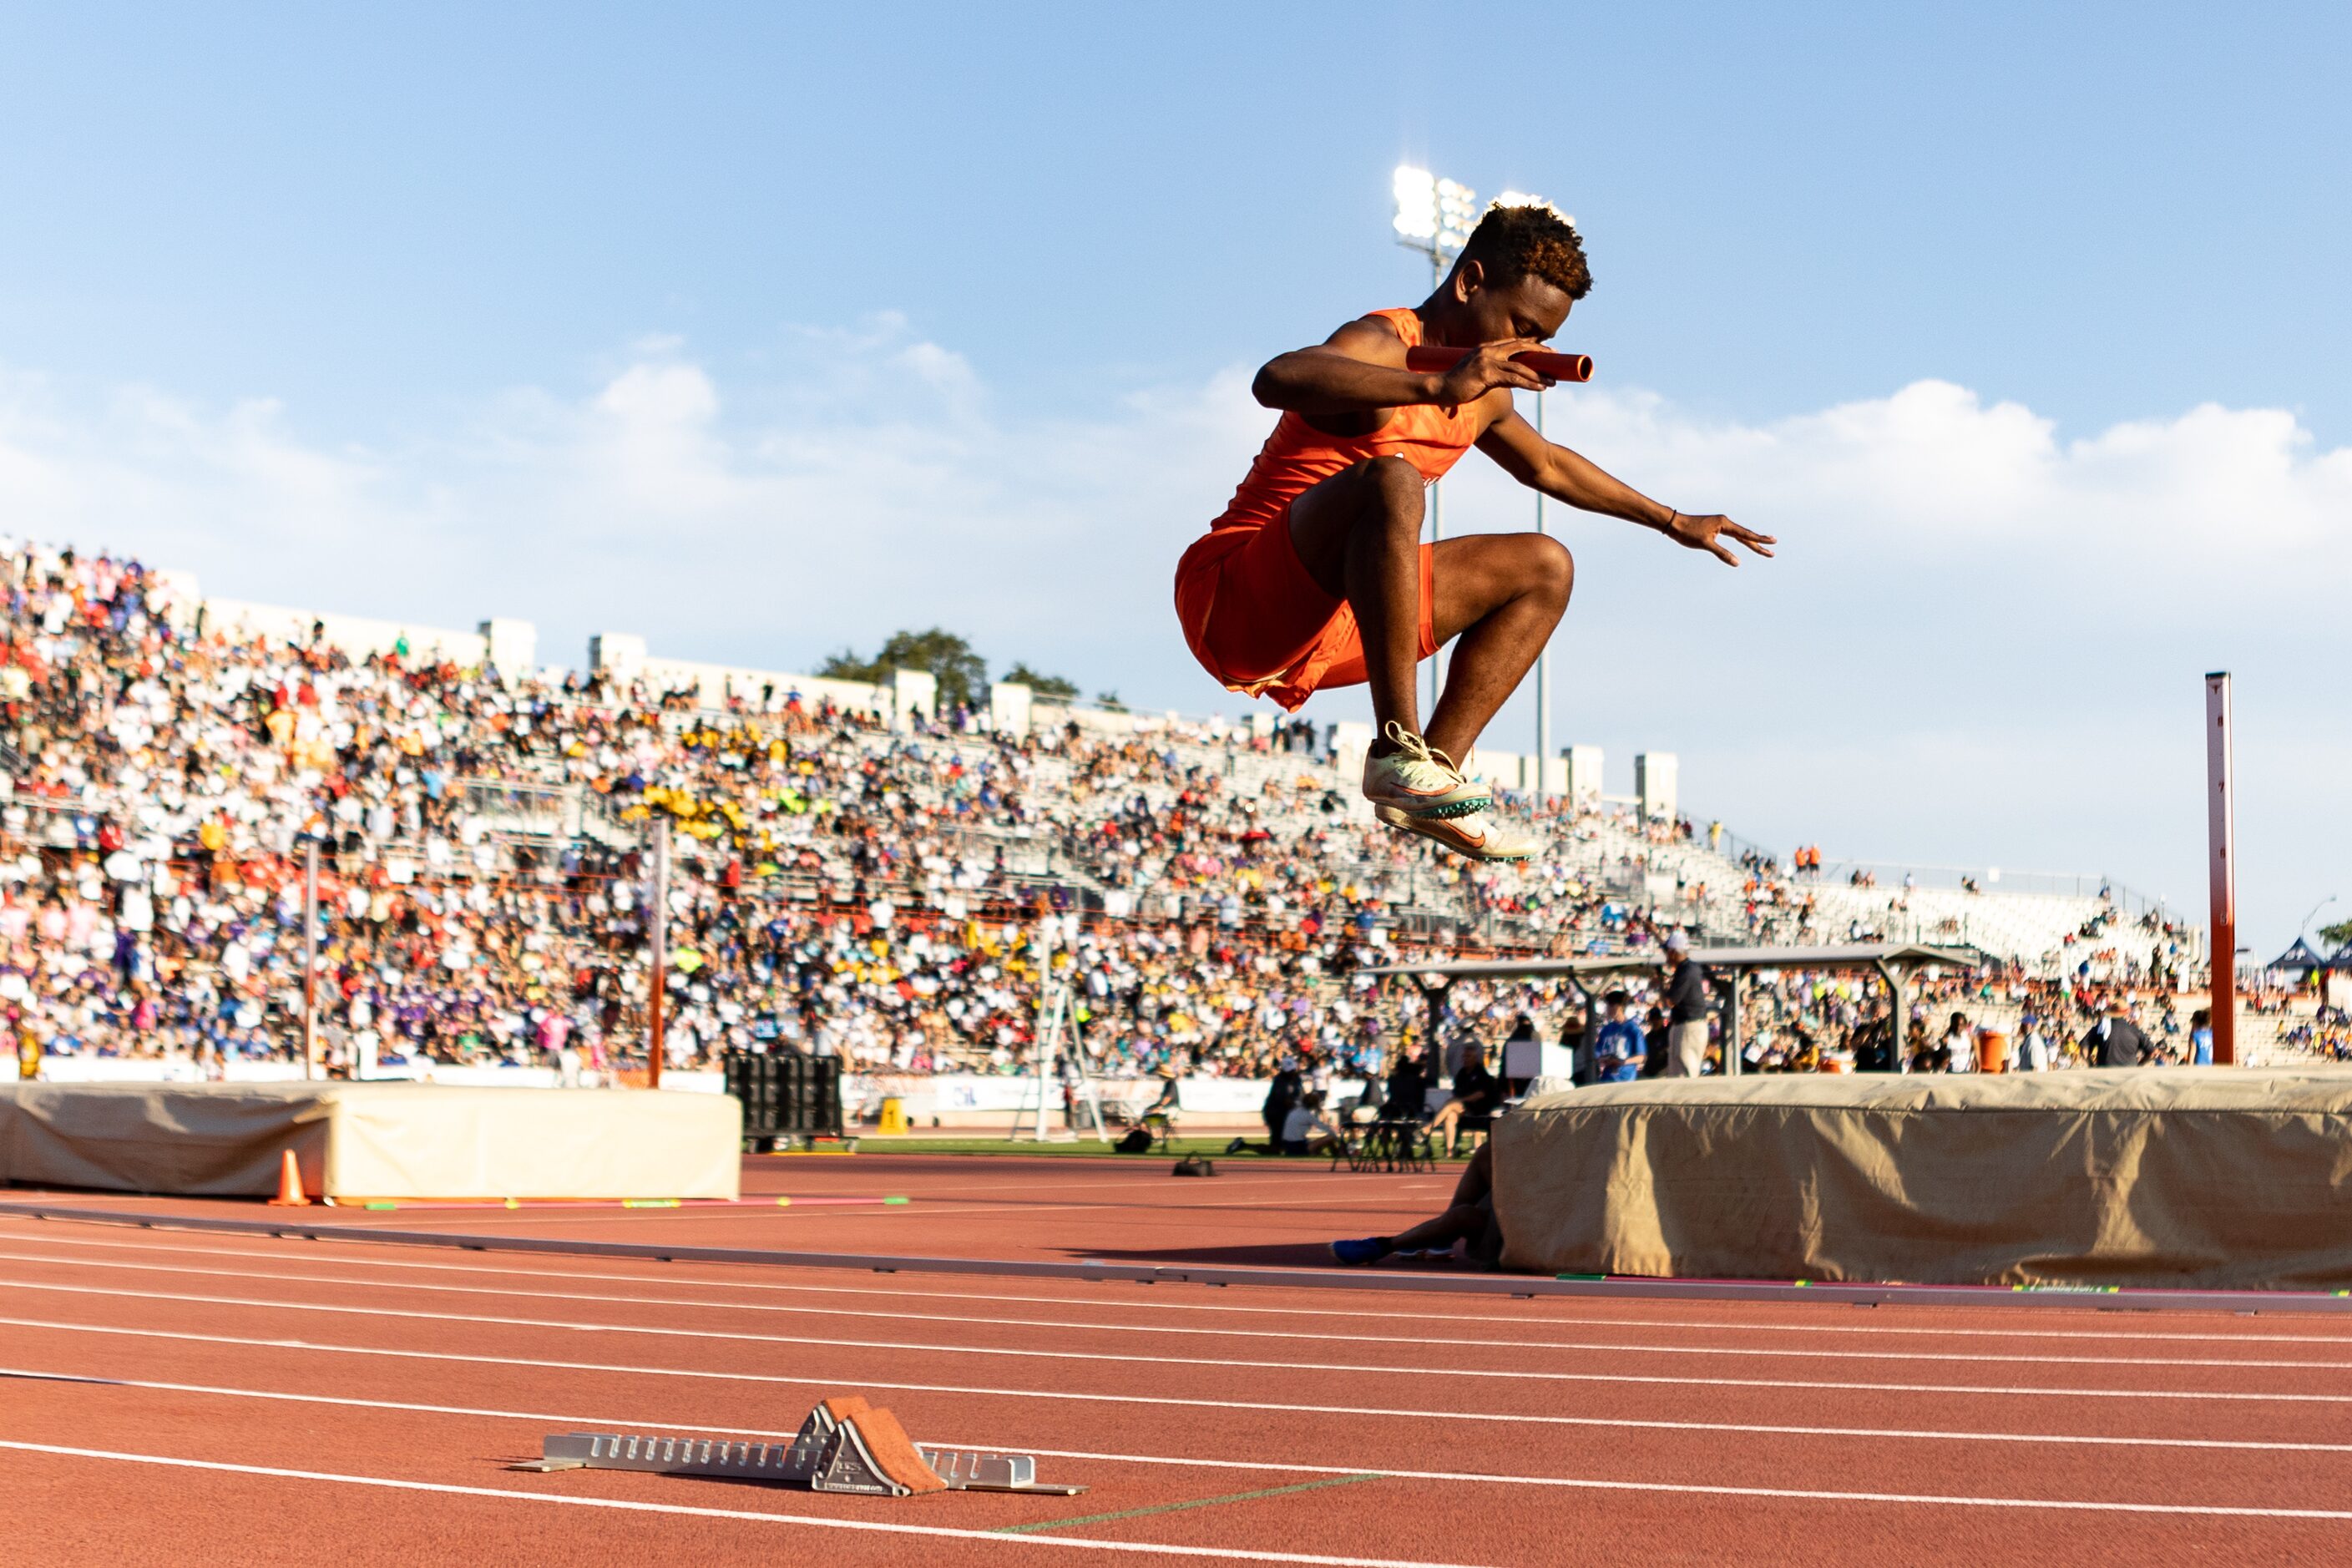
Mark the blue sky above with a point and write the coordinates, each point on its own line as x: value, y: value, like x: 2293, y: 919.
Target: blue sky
x: 2101, y: 212
x: 866, y: 293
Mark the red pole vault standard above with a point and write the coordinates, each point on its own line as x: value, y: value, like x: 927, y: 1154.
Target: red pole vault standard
x: 1559, y: 367
x: 2219, y: 822
x: 657, y: 940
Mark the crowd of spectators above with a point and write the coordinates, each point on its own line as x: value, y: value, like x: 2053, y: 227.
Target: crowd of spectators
x: 892, y: 894
x: 2326, y: 1034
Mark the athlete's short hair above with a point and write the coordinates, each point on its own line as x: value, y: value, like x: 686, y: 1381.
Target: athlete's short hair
x: 1513, y: 243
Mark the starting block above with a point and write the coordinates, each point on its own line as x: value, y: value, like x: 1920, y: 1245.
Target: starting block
x: 846, y: 1446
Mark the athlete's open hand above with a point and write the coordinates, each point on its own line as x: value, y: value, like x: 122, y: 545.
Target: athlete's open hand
x: 1487, y: 367
x: 1694, y: 532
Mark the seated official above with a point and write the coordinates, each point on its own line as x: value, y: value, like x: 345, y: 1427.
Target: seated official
x: 1477, y: 1096
x: 1407, y: 1097
x: 1304, y: 1130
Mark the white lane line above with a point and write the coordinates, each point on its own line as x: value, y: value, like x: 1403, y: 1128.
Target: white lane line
x: 281, y: 1250
x: 1143, y: 1177
x: 642, y: 1424
x: 1513, y: 1345
x: 1931, y: 1499
x: 972, y: 1200
x: 819, y: 1521
x: 511, y: 1219
x: 800, y: 1342
x: 1139, y: 1178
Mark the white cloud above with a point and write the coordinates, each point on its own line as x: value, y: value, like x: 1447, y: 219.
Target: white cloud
x: 1981, y: 641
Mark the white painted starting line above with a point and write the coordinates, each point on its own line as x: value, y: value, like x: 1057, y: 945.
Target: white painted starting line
x: 756, y: 1516
x: 645, y: 1424
x: 278, y: 1250
x: 186, y: 1336
x: 1686, y: 1488
x: 1511, y: 1374
x: 1514, y: 1346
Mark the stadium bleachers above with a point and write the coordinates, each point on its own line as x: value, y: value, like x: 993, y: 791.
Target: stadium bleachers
x: 854, y: 871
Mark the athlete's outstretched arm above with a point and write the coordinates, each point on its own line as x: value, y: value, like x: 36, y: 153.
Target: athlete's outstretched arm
x: 1359, y: 369
x: 1569, y: 477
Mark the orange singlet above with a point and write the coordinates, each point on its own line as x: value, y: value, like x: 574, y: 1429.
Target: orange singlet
x: 1254, y: 618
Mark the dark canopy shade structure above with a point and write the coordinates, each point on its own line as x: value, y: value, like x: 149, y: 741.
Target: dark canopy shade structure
x: 1896, y: 962
x: 2302, y: 957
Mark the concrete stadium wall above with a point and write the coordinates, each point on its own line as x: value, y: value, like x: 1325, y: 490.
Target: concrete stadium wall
x: 623, y: 655
x: 357, y: 635
x: 958, y: 1101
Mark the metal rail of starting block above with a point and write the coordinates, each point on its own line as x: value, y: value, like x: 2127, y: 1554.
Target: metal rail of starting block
x: 823, y: 1457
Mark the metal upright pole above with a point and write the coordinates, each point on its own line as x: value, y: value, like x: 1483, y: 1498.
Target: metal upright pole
x: 1732, y: 1067
x: 657, y: 940
x: 309, y: 959
x: 1543, y: 667
x: 2221, y: 823
x: 1436, y: 509
x: 1084, y: 1075
x: 1049, y: 1032
x: 1049, y: 1062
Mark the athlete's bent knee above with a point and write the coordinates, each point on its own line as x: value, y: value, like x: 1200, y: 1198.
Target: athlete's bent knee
x: 1550, y: 569
x: 1396, y: 487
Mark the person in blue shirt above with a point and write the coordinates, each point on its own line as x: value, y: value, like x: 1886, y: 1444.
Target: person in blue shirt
x: 2201, y: 1038
x: 1619, y: 1051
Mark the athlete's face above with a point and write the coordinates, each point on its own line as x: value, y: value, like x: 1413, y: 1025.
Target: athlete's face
x: 1530, y: 308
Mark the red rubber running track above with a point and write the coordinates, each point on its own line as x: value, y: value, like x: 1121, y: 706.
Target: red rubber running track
x: 196, y: 1397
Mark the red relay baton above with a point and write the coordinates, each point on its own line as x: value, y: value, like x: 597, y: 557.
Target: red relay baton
x: 1558, y: 367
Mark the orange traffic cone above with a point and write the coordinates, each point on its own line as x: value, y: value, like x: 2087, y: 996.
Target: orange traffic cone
x: 290, y: 1184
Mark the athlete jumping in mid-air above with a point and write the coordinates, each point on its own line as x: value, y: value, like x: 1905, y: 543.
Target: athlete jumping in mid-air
x: 1315, y: 576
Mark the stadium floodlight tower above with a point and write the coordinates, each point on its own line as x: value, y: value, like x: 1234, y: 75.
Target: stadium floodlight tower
x: 1435, y: 217
x: 1542, y: 789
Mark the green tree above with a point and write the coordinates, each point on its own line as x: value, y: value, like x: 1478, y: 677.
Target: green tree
x: 1108, y: 700
x: 846, y: 665
x: 962, y: 674
x: 2337, y: 936
x: 1045, y: 688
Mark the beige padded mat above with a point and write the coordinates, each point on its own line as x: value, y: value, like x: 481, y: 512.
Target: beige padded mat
x: 2215, y: 1178
x: 372, y: 1140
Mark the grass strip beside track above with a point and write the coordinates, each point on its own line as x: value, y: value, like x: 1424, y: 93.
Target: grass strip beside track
x: 1196, y: 1502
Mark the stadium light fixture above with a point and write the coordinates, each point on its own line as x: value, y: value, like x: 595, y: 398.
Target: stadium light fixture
x: 1542, y: 789
x: 1433, y: 216
x: 1416, y: 206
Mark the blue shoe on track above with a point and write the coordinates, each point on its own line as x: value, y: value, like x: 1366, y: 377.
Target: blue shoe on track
x: 1367, y: 1249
